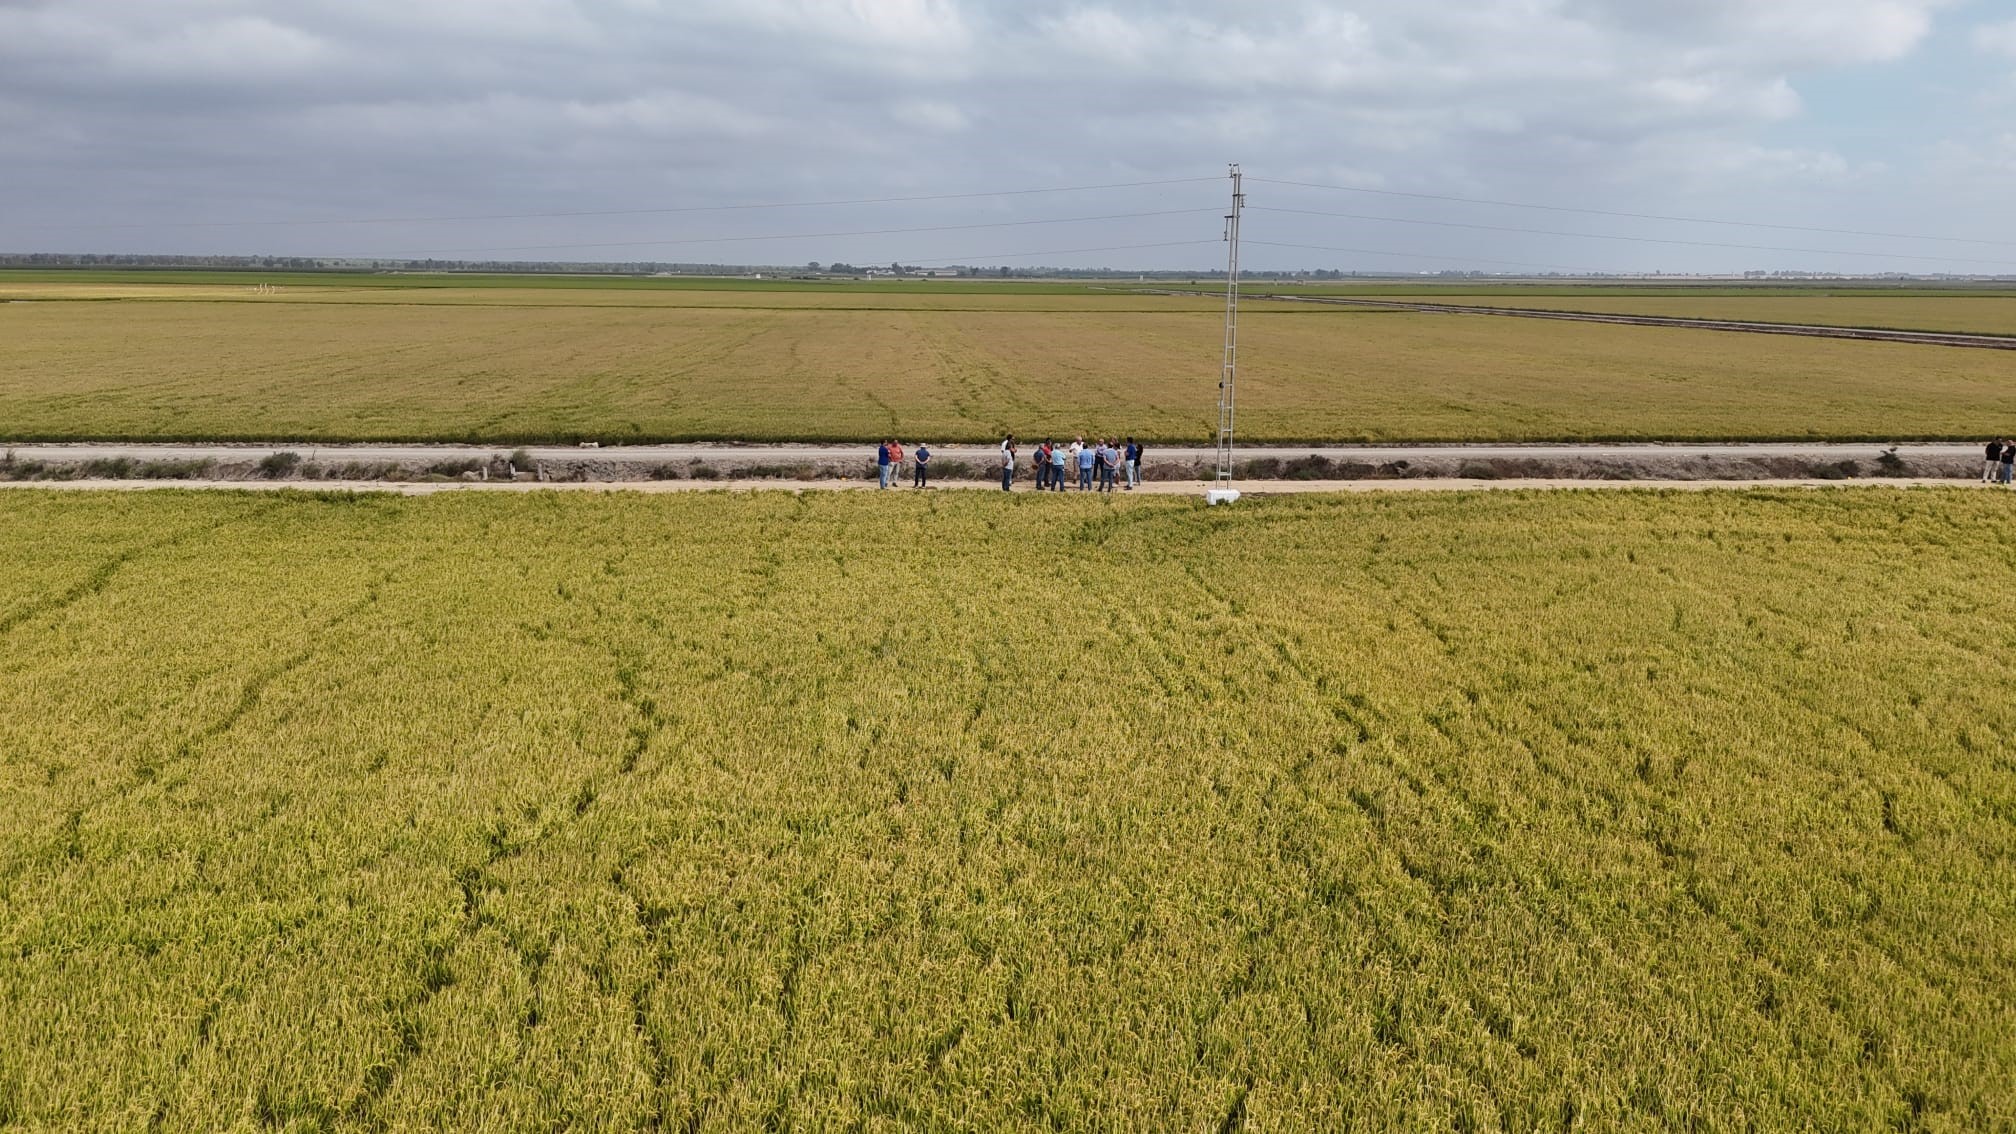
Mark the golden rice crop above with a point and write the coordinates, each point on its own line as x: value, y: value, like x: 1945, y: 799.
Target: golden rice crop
x: 1523, y: 811
x: 505, y: 365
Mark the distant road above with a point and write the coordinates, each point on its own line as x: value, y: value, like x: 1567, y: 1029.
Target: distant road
x: 716, y: 453
x: 1924, y: 338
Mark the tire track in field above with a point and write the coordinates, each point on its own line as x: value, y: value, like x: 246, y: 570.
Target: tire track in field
x: 505, y: 841
x: 147, y: 769
x: 251, y: 692
x: 1357, y: 722
x: 1753, y: 949
x: 102, y: 575
x: 1803, y: 699
x: 763, y: 583
x: 1297, y: 844
x: 477, y: 882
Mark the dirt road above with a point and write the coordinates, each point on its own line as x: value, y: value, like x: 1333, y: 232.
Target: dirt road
x: 751, y: 454
x: 1154, y: 488
x: 1806, y: 330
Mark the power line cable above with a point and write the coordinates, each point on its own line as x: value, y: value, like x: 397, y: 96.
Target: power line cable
x: 653, y: 212
x: 1634, y: 239
x: 980, y: 259
x: 799, y: 235
x: 1635, y: 216
x: 1411, y: 255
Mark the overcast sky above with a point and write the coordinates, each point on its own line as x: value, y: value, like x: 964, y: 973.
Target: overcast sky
x: 188, y: 126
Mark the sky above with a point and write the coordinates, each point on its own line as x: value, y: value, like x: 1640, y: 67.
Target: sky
x: 1376, y: 135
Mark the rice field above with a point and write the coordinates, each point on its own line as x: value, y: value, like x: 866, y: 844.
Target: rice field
x: 1514, y: 811
x: 99, y: 359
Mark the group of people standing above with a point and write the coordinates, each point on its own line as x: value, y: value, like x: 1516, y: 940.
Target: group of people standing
x: 1096, y: 465
x: 889, y: 462
x: 2001, y: 462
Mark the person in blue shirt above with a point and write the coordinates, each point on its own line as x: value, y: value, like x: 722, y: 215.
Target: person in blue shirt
x: 1057, y: 456
x: 1086, y: 458
x: 882, y: 465
x: 923, y: 465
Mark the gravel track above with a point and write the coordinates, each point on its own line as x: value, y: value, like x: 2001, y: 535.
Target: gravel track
x: 1814, y: 331
x: 1152, y: 488
x: 78, y: 452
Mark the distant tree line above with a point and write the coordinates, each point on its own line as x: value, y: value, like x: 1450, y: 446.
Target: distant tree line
x: 812, y: 270
x: 633, y: 268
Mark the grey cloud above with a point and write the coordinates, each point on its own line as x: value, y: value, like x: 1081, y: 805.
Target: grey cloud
x: 148, y: 113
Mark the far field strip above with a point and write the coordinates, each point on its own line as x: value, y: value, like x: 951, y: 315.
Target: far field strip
x: 538, y: 361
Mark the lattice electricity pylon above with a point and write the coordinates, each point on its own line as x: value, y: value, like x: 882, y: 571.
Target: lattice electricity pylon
x: 1228, y: 377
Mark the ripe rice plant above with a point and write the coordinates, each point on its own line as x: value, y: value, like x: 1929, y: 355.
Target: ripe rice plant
x: 1521, y: 810
x: 507, y: 366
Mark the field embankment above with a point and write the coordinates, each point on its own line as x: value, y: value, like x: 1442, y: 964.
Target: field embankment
x: 1577, y: 313
x: 1617, y: 810
x: 1961, y: 313
x: 637, y: 464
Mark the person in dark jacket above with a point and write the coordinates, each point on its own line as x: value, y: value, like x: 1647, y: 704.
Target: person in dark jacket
x: 1133, y: 464
x: 1993, y: 467
x: 883, y: 467
x: 923, y: 466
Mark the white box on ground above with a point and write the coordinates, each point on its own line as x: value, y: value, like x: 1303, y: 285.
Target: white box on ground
x: 1215, y: 496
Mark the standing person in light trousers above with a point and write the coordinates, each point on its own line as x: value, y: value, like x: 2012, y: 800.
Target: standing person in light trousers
x: 1993, y: 466
x: 1133, y: 464
x: 882, y: 462
x: 1008, y: 463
